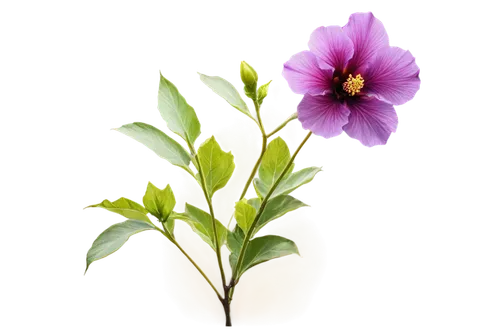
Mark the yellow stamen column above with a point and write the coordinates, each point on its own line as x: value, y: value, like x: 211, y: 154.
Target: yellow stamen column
x: 353, y: 85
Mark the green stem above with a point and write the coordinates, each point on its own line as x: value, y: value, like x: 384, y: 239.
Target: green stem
x: 263, y: 150
x: 192, y: 261
x: 264, y: 147
x: 234, y: 279
x: 210, y: 206
x: 256, y: 167
x: 257, y: 110
x: 280, y: 127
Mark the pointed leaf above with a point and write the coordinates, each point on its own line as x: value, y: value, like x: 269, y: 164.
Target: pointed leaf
x: 262, y: 249
x: 244, y: 214
x: 159, y: 203
x: 234, y: 243
x: 262, y: 92
x: 217, y: 165
x: 255, y: 203
x: 125, y: 207
x: 174, y: 216
x: 200, y: 231
x: 227, y: 91
x: 273, y: 163
x: 180, y: 116
x: 159, y: 142
x: 296, y: 180
x: 277, y: 207
x: 201, y: 223
x: 113, y: 238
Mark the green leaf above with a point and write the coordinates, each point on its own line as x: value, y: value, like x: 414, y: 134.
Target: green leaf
x: 159, y: 201
x: 170, y: 225
x: 200, y: 231
x: 277, y: 207
x: 217, y: 166
x: 244, y: 214
x: 262, y: 249
x: 262, y: 92
x: 125, y: 207
x: 296, y: 180
x: 227, y: 91
x: 255, y: 203
x: 234, y: 243
x: 180, y: 116
x: 273, y: 163
x: 113, y: 238
x: 201, y: 223
x: 174, y: 216
x: 159, y: 142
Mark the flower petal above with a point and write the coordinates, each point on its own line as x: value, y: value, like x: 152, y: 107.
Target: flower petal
x: 304, y: 75
x: 368, y: 36
x: 392, y: 76
x: 371, y: 121
x: 323, y: 115
x: 332, y: 47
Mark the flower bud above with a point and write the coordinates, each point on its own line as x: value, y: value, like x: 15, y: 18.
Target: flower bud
x: 262, y: 92
x: 249, y: 77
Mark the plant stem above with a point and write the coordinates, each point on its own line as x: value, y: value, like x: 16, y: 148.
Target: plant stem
x: 263, y: 150
x: 234, y: 279
x: 289, y: 119
x: 210, y: 206
x: 256, y: 166
x: 192, y: 261
x: 226, y: 303
x: 264, y: 146
x: 257, y: 110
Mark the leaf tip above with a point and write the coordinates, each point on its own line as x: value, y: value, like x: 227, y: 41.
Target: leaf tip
x: 159, y: 73
x: 87, y: 207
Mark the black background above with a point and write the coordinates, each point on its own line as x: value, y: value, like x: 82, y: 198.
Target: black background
x: 376, y: 207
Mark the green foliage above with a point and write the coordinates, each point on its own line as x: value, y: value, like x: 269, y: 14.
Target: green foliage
x: 200, y: 222
x: 260, y: 250
x: 122, y: 206
x: 296, y: 180
x: 159, y: 201
x: 228, y: 92
x: 274, y: 162
x: 244, y: 214
x: 111, y: 239
x: 217, y: 166
x: 265, y: 248
x: 264, y: 90
x: 177, y: 112
x: 154, y: 139
x: 277, y: 207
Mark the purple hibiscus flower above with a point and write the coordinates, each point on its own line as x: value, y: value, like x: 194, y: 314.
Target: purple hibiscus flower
x: 350, y: 79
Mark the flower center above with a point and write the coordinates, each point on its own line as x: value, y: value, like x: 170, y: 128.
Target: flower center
x: 353, y: 85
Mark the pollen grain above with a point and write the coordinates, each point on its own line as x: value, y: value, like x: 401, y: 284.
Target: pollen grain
x: 353, y: 85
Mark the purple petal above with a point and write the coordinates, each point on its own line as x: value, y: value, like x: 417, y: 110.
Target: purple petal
x: 392, y: 76
x: 371, y: 121
x: 304, y: 75
x: 323, y: 115
x: 332, y: 47
x: 368, y: 36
